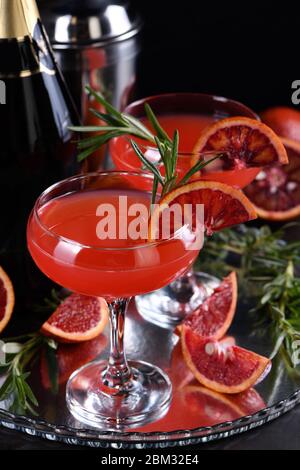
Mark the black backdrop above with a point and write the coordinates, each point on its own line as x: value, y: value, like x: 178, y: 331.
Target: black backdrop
x: 245, y: 50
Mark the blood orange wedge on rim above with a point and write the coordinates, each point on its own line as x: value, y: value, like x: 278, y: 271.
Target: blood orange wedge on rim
x: 246, y: 142
x: 7, y: 299
x: 224, y: 205
x: 214, y: 316
x: 78, y: 318
x: 222, y: 367
x: 276, y: 190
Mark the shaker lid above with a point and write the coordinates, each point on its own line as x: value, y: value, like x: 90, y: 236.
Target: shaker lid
x: 79, y: 23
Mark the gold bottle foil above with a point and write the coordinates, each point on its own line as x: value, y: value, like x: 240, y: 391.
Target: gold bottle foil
x: 17, y: 18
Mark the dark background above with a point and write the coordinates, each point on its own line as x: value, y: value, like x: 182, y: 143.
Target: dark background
x: 248, y: 51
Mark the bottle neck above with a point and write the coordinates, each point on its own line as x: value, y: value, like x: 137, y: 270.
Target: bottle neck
x: 24, y: 46
x: 18, y: 18
x: 25, y: 49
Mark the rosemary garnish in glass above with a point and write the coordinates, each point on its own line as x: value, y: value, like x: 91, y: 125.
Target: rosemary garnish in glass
x: 118, y: 124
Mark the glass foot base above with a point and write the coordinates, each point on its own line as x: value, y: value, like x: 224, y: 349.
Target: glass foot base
x: 90, y: 402
x: 167, y: 307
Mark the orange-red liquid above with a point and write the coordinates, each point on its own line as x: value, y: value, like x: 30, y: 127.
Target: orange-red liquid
x: 190, y: 127
x: 91, y: 266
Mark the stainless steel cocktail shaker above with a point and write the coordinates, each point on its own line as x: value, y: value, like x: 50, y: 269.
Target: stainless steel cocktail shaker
x: 96, y: 43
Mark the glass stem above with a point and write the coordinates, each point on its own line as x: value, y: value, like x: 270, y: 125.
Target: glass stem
x: 118, y: 374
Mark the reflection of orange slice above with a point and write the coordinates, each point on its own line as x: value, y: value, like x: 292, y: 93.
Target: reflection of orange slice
x: 213, y: 407
x: 220, y: 367
x: 214, y: 317
x: 194, y: 405
x: 224, y: 205
x: 249, y: 402
x: 276, y: 190
x: 246, y: 142
x: 218, y: 408
x: 7, y: 299
x: 78, y: 318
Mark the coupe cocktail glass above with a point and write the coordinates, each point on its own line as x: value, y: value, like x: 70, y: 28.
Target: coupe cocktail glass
x: 190, y: 113
x: 63, y: 239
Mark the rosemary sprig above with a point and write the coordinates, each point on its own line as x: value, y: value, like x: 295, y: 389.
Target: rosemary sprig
x: 50, y: 303
x: 118, y: 124
x: 260, y: 251
x: 281, y: 299
x: 267, y: 264
x: 21, y: 352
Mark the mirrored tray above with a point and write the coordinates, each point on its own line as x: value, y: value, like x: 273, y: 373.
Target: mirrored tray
x: 196, y: 414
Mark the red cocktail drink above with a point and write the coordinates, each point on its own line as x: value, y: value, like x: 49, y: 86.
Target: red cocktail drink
x: 190, y: 114
x: 128, y: 267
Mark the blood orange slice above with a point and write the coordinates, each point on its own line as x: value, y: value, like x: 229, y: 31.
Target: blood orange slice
x: 246, y: 142
x: 7, y: 299
x: 78, y: 318
x: 276, y: 190
x: 180, y: 373
x: 224, y: 205
x: 284, y: 121
x: 214, y: 317
x: 220, y: 367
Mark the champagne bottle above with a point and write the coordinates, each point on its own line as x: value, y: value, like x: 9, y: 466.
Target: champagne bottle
x: 36, y: 147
